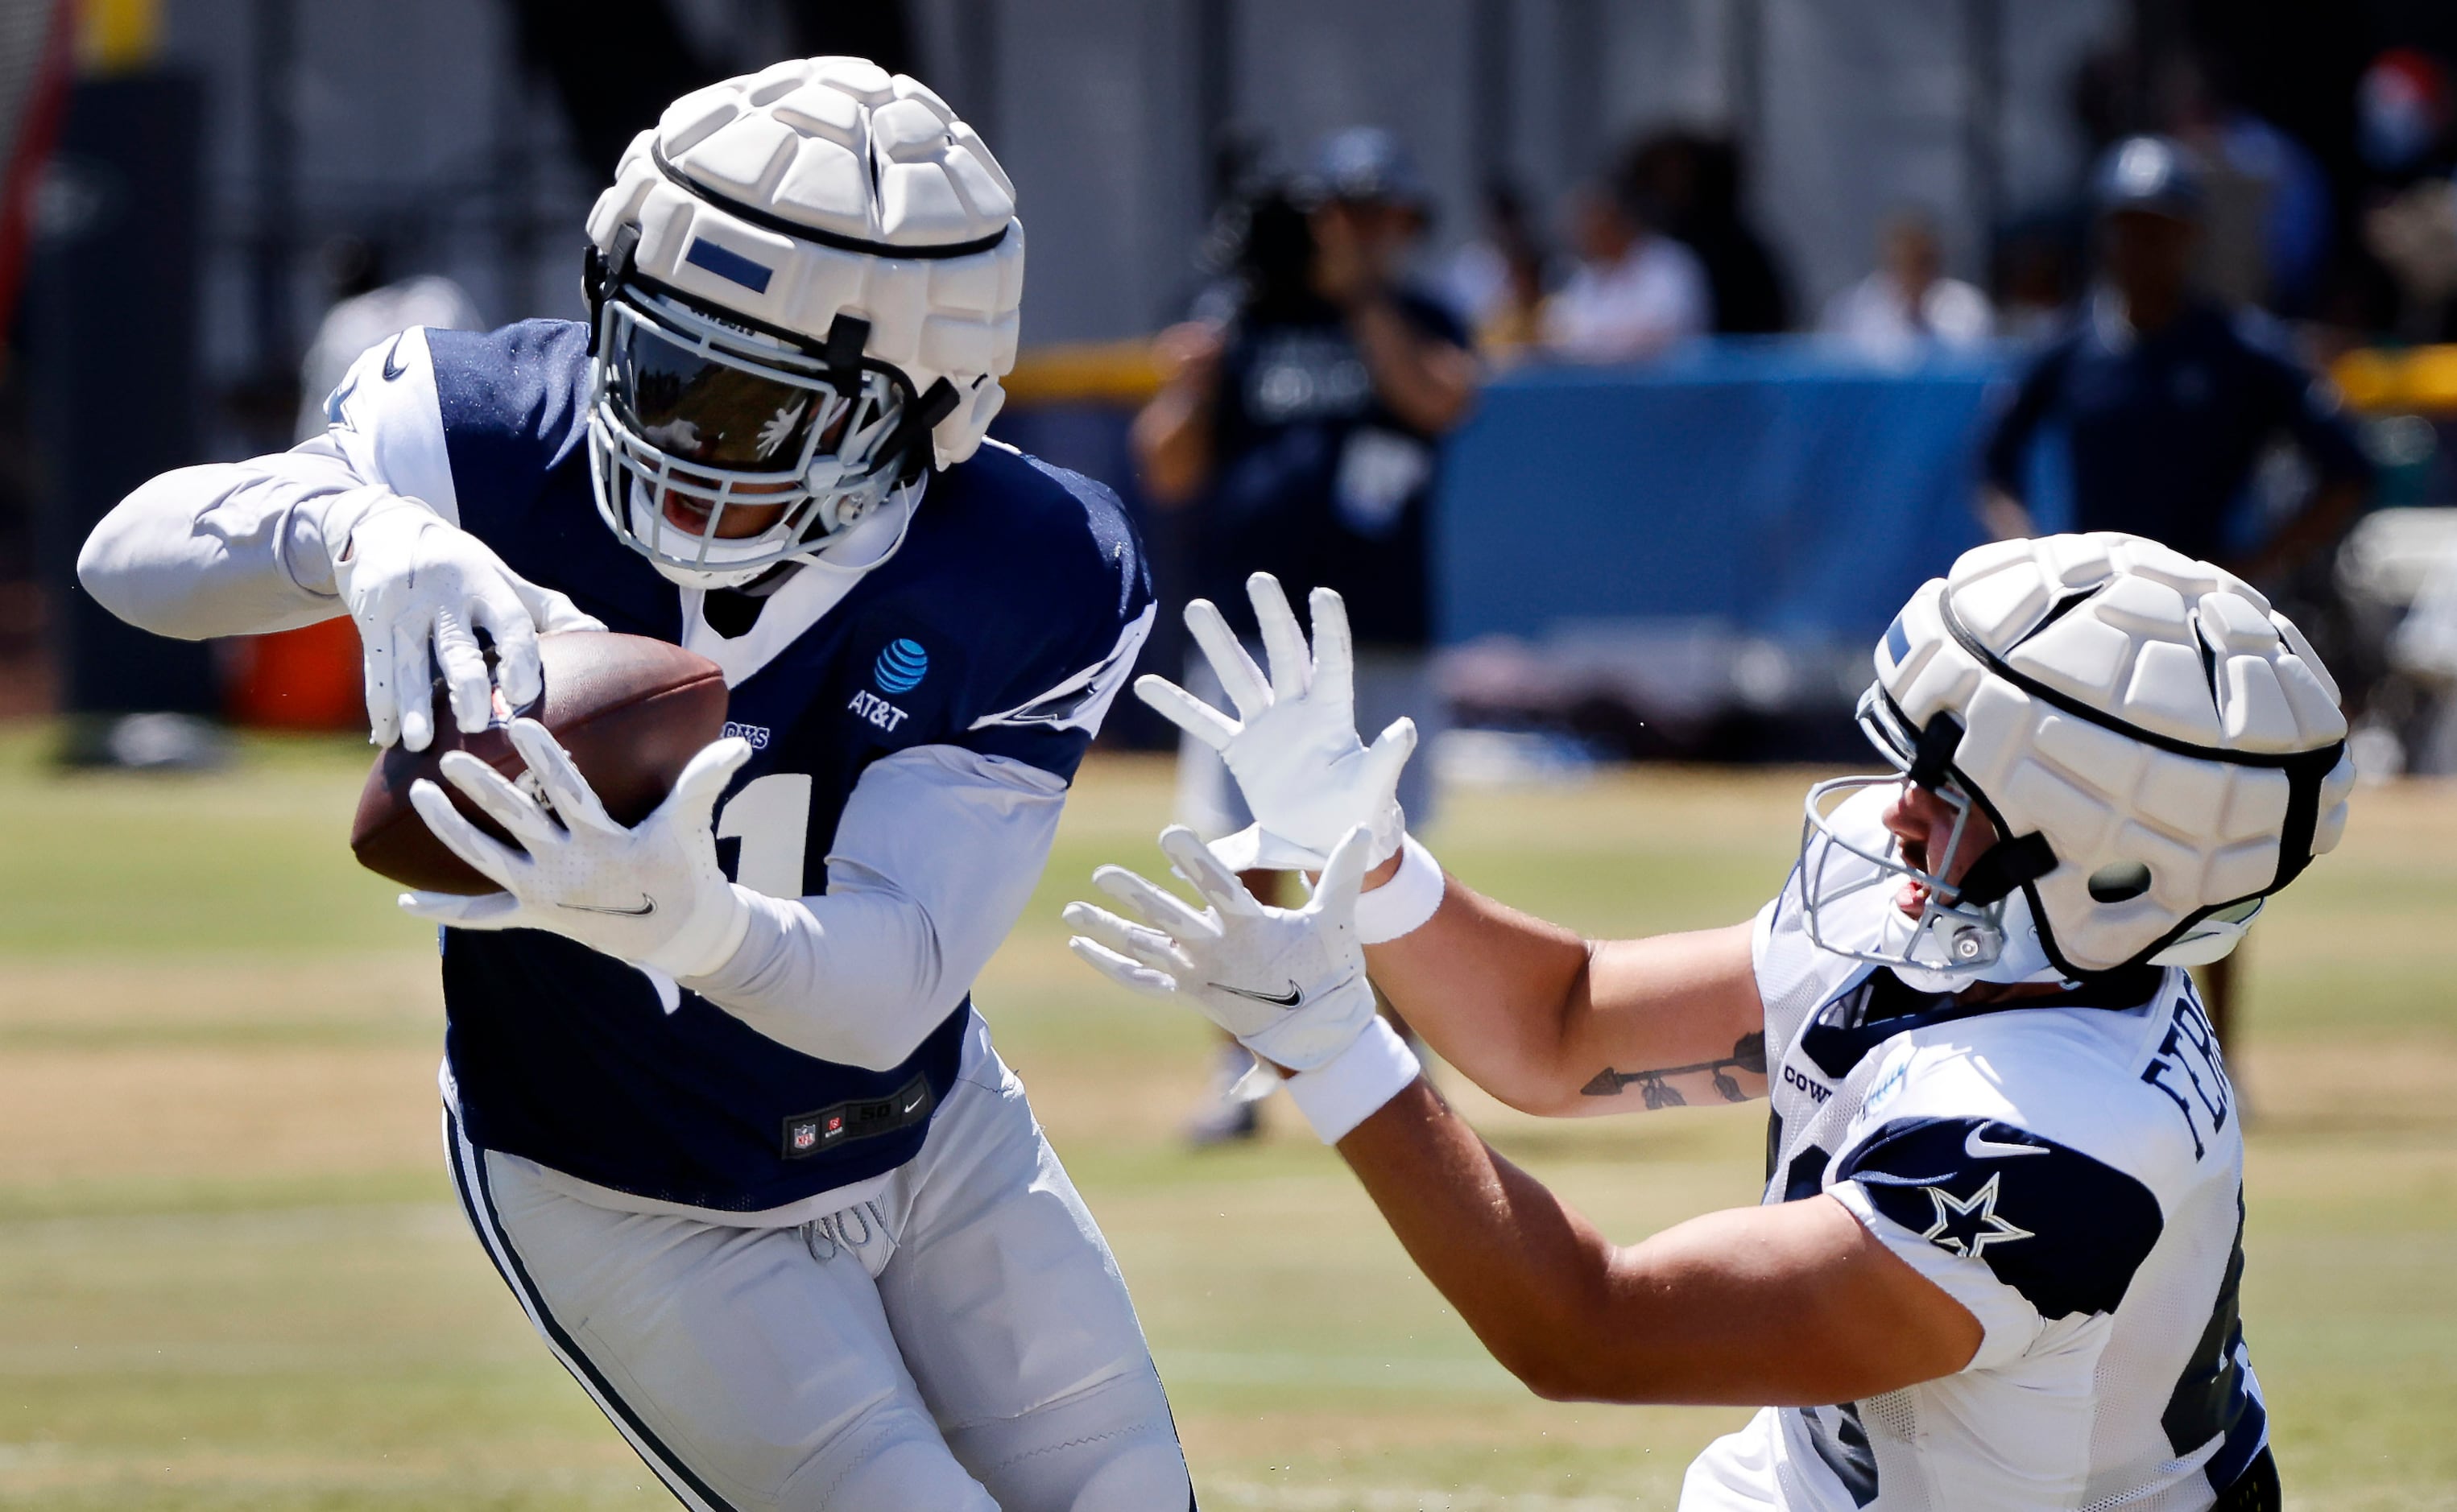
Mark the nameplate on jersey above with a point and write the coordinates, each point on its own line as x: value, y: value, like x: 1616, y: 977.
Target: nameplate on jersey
x: 812, y: 1134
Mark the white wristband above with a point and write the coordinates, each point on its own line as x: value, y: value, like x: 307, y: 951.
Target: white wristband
x: 1347, y: 1090
x: 1403, y: 904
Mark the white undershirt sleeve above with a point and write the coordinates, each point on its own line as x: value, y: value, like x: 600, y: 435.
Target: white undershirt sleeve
x: 244, y: 549
x: 937, y: 854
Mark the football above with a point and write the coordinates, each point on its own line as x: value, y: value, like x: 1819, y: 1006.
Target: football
x: 630, y: 711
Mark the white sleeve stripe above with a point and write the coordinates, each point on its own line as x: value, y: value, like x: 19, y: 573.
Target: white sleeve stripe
x: 1082, y: 701
x: 389, y: 422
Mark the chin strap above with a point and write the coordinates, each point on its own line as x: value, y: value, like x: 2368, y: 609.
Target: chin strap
x: 2004, y: 866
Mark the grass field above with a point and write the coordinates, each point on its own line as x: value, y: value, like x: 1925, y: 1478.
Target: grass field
x: 232, y: 1276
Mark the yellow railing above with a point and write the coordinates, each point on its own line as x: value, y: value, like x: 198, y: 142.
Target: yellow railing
x: 1123, y: 373
x: 2420, y: 380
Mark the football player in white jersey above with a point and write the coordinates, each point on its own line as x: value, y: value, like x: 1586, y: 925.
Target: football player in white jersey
x: 1997, y: 1261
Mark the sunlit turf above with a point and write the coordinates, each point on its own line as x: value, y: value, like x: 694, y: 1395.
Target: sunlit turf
x: 231, y: 1275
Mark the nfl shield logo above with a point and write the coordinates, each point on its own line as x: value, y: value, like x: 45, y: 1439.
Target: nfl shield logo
x: 805, y: 1136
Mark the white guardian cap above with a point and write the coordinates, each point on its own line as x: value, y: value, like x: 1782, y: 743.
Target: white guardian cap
x: 2158, y: 749
x: 803, y: 288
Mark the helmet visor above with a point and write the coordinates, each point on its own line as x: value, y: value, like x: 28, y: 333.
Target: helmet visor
x: 695, y: 404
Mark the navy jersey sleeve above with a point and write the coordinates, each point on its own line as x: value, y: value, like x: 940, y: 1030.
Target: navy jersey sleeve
x: 1094, y: 609
x: 514, y: 403
x: 2064, y: 1230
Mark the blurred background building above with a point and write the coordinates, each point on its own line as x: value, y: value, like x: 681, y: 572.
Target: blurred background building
x: 1695, y: 545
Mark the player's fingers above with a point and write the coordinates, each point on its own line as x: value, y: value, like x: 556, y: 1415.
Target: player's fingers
x: 1388, y: 756
x: 1343, y: 874
x: 383, y: 711
x: 463, y: 667
x: 500, y: 612
x: 552, y: 613
x: 1335, y: 650
x: 1284, y: 644
x: 464, y: 839
x: 1196, y: 864
x: 1186, y: 711
x: 487, y: 911
x: 413, y: 680
x: 569, y: 792
x: 1154, y: 904
x: 1136, y: 941
x: 1239, y: 676
x: 502, y: 801
x: 1121, y: 971
x: 697, y: 790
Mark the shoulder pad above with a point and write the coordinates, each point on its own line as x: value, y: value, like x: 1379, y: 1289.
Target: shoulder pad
x: 2061, y: 1228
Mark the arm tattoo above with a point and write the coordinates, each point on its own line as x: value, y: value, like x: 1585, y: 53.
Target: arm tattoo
x: 1748, y: 1053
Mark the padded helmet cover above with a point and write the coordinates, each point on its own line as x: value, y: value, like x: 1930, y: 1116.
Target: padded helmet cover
x: 2131, y: 705
x: 840, y: 189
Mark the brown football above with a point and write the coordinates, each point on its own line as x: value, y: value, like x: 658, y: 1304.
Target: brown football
x: 630, y: 711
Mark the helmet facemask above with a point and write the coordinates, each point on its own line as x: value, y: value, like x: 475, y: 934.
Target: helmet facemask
x: 1975, y: 928
x: 693, y: 417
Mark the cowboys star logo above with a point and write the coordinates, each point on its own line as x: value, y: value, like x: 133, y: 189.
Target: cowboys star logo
x: 1967, y: 1226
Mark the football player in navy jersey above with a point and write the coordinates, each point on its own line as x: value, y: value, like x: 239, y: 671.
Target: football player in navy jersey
x: 1997, y: 1256
x: 717, y: 1101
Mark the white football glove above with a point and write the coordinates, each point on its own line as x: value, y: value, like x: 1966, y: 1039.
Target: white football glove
x: 409, y: 579
x: 1293, y: 749
x: 652, y: 896
x: 1288, y: 983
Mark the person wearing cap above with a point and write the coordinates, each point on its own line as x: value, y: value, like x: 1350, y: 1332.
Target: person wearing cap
x: 2165, y: 402
x: 1300, y: 424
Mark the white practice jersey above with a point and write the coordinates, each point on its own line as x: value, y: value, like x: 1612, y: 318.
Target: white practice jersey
x: 2071, y: 1170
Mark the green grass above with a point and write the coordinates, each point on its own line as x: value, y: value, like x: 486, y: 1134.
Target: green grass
x: 231, y: 1274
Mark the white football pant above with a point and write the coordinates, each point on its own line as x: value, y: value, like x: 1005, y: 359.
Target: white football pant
x: 960, y: 1343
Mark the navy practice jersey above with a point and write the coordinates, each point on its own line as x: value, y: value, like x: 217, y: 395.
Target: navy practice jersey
x: 1017, y: 595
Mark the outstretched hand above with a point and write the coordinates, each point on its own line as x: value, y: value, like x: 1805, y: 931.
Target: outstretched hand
x: 651, y: 895
x: 1288, y: 983
x: 1294, y: 748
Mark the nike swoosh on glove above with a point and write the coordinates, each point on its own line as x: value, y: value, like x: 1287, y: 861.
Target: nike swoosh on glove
x: 1288, y: 983
x: 652, y: 894
x: 1294, y: 748
x: 412, y: 582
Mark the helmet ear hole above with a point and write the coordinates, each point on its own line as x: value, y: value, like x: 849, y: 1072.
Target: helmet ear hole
x: 2119, y: 881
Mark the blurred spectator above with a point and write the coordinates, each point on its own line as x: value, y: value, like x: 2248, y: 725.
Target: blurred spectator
x: 1908, y: 306
x: 2036, y: 259
x: 1635, y: 293
x: 1301, y: 428
x: 366, y: 311
x: 1497, y: 281
x: 1689, y: 186
x: 2165, y: 400
x: 2403, y: 114
x: 2166, y: 403
x: 2267, y: 205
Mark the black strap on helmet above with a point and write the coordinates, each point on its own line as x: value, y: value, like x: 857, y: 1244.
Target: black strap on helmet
x: 2004, y: 866
x: 603, y: 271
x: 847, y: 336
x: 910, y: 441
x: 1932, y: 752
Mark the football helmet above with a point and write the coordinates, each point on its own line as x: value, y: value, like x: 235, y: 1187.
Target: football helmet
x: 804, y: 290
x: 2158, y: 749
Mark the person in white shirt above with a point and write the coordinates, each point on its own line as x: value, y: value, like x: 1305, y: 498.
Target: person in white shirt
x: 1997, y: 1261
x: 1908, y: 307
x: 1635, y: 293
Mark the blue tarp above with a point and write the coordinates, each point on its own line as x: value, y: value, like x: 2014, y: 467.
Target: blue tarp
x: 1779, y: 489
